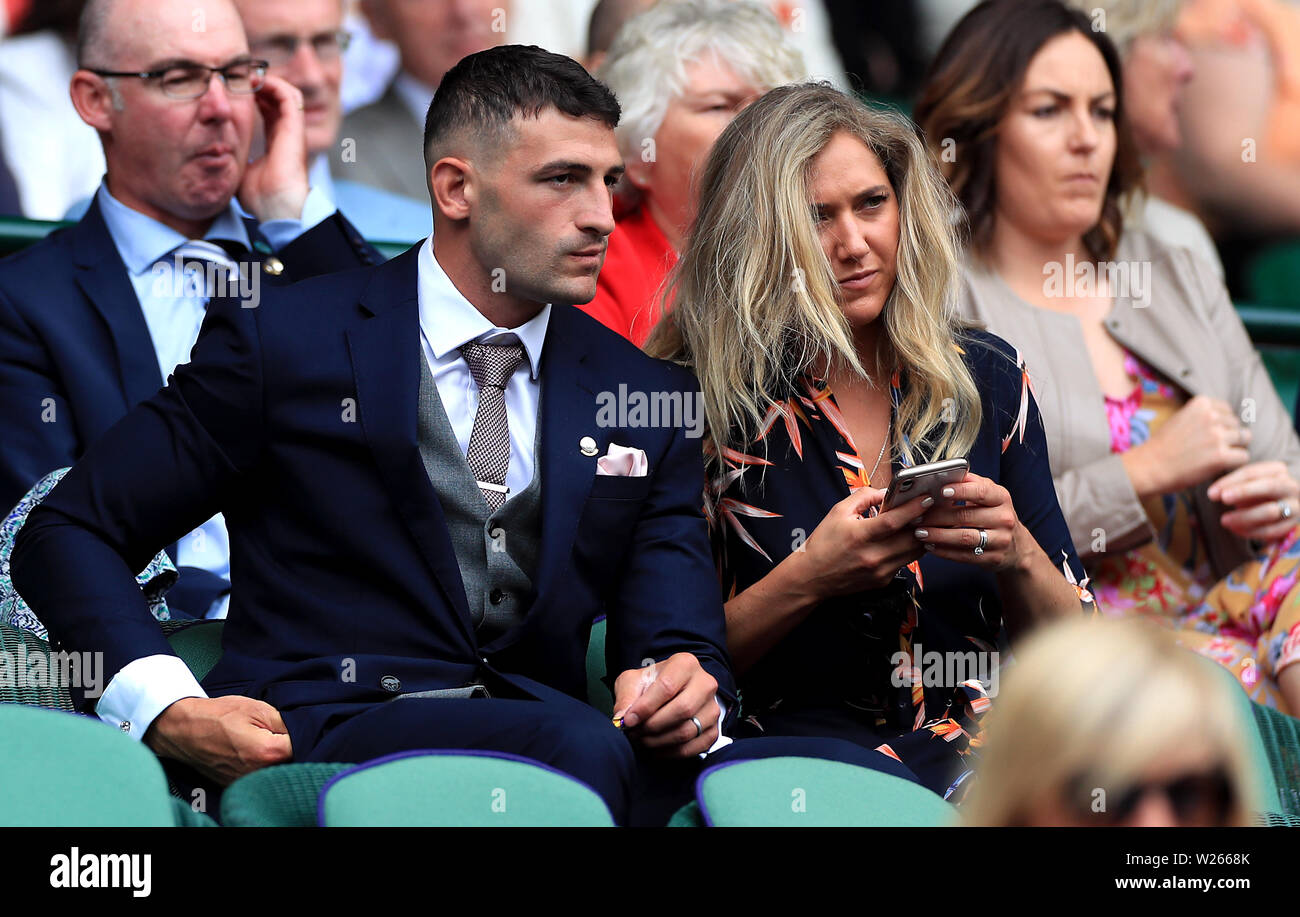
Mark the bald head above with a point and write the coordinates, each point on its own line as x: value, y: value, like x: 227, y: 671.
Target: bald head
x: 114, y: 31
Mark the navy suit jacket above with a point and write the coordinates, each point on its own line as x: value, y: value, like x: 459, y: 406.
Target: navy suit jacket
x: 76, y: 355
x: 299, y: 424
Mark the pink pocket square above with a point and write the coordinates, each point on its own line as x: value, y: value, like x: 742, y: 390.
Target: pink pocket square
x: 622, y: 462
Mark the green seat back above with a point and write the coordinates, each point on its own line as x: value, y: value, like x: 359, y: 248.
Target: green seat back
x: 794, y: 792
x: 598, y: 693
x: 65, y: 770
x: 198, y: 643
x: 281, y: 796
x: 1280, y: 736
x: 459, y: 789
x: 1256, y: 754
x: 22, y: 683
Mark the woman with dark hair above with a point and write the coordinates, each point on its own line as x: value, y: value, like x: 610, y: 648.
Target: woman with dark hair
x: 815, y: 303
x: 1175, y: 462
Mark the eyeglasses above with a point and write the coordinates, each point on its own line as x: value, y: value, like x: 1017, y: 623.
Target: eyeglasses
x: 191, y: 81
x: 1195, y: 799
x: 280, y: 49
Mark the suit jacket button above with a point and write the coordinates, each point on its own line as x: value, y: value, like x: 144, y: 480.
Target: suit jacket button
x: 273, y: 266
x: 496, y: 596
x: 391, y: 684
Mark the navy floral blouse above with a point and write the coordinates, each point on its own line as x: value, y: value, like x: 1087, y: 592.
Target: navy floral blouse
x: 764, y: 501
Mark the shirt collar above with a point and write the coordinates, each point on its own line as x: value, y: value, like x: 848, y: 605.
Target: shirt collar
x: 319, y: 177
x: 142, y: 241
x: 449, y: 320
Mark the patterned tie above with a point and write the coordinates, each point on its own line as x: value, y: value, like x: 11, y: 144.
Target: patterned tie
x: 489, y: 442
x: 198, y: 257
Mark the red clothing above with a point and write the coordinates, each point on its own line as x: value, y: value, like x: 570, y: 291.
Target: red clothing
x: 636, y: 262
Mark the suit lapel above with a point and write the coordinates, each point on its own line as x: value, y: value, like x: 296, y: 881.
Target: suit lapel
x: 385, y: 349
x: 103, y: 279
x: 568, y: 413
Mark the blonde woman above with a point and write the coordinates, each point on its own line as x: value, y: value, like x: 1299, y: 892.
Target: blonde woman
x: 813, y: 302
x: 1111, y: 723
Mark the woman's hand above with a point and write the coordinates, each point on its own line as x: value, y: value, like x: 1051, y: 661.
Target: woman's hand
x: 850, y: 551
x: 953, y: 532
x: 1257, y: 494
x: 1202, y: 440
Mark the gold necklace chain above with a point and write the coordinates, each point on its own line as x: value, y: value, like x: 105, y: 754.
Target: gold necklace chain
x: 872, y: 473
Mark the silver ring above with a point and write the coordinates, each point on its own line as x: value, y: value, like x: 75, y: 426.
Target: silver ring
x: 699, y: 730
x: 984, y: 540
x: 1285, y: 507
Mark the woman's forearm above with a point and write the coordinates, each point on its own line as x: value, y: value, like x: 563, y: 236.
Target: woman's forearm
x: 1034, y: 590
x: 759, y: 617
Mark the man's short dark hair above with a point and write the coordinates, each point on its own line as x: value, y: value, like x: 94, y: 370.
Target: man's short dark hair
x: 484, y: 92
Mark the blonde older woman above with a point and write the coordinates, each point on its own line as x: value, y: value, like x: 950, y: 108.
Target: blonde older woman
x: 681, y: 71
x: 1103, y: 723
x: 814, y: 303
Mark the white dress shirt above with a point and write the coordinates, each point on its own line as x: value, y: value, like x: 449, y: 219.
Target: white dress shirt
x: 447, y: 321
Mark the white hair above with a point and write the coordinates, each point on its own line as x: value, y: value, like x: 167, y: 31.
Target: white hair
x: 1123, y: 21
x: 646, y: 65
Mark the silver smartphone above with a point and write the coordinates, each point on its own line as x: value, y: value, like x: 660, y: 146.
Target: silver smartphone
x: 924, y: 479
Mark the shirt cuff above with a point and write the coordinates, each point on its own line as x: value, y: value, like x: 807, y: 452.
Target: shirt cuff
x: 144, y: 688
x: 315, y: 210
x: 723, y: 741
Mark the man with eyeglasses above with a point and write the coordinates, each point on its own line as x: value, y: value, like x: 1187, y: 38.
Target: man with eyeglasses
x: 94, y: 318
x: 303, y: 42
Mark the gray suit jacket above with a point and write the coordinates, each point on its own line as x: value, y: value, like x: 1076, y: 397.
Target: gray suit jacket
x: 387, y: 146
x: 1189, y: 332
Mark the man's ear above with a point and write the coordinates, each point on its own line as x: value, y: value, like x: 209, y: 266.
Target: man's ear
x: 93, y: 100
x: 637, y: 172
x: 451, y: 185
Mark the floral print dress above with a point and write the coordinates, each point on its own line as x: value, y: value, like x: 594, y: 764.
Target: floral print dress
x: 909, y: 669
x: 1248, y: 622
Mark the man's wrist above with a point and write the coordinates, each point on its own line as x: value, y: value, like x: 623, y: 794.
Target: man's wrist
x: 170, y: 723
x: 284, y: 205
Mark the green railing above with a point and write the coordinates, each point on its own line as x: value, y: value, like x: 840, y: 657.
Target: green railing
x: 1273, y: 322
x: 17, y: 233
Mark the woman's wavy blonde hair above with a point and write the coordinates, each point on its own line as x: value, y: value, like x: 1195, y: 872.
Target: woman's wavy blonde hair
x: 754, y: 300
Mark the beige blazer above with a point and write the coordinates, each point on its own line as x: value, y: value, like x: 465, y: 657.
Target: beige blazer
x: 1186, y: 328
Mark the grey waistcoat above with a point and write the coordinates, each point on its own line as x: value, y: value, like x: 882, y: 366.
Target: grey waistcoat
x: 497, y: 553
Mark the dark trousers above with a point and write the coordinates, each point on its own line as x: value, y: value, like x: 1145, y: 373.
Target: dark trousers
x: 554, y: 729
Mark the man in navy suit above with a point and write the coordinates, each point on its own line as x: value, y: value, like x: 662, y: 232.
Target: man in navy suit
x: 95, y: 317
x: 408, y: 531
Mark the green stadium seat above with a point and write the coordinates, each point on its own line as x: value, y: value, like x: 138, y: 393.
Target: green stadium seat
x: 1279, y: 735
x: 792, y: 792
x: 281, y: 796
x: 459, y: 789
x: 60, y: 769
x: 1269, y: 801
x: 598, y: 693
